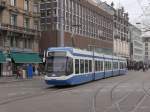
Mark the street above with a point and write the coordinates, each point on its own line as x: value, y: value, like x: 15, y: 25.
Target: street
x: 128, y: 93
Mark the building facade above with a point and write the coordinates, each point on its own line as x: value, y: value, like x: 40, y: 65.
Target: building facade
x: 146, y: 40
x: 19, y: 30
x: 136, y: 44
x: 121, y: 33
x: 85, y: 25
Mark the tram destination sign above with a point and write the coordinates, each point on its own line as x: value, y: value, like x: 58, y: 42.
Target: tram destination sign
x: 56, y: 53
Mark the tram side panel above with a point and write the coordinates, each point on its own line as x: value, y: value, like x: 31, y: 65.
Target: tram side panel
x: 122, y: 65
x: 83, y: 71
x: 108, y: 67
x: 115, y: 68
x: 99, y: 69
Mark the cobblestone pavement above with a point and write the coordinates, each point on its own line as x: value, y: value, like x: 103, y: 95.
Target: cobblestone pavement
x: 14, y: 79
x: 127, y: 93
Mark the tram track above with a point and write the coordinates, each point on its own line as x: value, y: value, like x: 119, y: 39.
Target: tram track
x: 146, y: 94
x: 45, y: 91
x: 116, y: 104
x: 25, y: 97
x: 94, y: 96
x: 139, y: 102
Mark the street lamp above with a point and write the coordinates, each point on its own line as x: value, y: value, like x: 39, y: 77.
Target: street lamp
x: 61, y: 24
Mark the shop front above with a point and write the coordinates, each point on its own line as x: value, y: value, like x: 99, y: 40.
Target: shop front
x: 21, y: 60
x: 2, y: 60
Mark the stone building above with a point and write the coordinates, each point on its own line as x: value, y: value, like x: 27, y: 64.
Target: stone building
x: 121, y: 33
x: 79, y: 23
x: 146, y: 40
x: 19, y: 34
x: 136, y: 44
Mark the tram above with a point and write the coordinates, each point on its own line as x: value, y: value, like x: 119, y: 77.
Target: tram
x: 71, y: 66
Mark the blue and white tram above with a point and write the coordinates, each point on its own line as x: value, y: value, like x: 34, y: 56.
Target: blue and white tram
x: 70, y: 66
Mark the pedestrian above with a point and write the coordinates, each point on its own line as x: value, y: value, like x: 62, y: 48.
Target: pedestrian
x: 36, y: 71
x: 18, y: 73
x: 146, y: 67
x: 143, y: 67
x: 30, y: 71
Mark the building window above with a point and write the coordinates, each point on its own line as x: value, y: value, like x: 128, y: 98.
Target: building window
x: 25, y: 43
x: 13, y: 20
x: 12, y: 42
x: 30, y: 43
x: 146, y: 53
x: 36, y: 26
x: 13, y: 2
x: 26, y: 5
x: 26, y: 22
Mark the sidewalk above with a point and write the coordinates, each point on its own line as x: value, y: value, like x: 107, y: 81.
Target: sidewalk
x: 4, y: 80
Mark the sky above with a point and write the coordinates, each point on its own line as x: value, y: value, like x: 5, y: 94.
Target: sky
x: 135, y: 8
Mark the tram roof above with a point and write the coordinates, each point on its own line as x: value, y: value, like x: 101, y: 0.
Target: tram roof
x: 80, y: 51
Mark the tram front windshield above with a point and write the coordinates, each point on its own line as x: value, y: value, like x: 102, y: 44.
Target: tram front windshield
x: 59, y: 65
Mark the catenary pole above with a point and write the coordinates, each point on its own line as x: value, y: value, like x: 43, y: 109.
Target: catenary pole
x: 61, y: 24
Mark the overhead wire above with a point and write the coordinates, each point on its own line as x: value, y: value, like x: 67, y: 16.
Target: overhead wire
x: 139, y: 2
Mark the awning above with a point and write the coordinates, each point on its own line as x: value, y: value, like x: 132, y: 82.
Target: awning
x: 21, y: 57
x: 2, y: 58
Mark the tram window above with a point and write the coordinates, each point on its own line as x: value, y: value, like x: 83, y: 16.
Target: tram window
x: 96, y: 65
x: 81, y: 66
x: 115, y: 65
x: 110, y: 66
x: 101, y: 65
x: 69, y: 66
x: 124, y: 65
x: 76, y: 66
x: 86, y: 66
x: 121, y: 65
x: 90, y: 66
x: 106, y: 65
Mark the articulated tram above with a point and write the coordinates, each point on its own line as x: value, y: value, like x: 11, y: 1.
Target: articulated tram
x: 70, y: 66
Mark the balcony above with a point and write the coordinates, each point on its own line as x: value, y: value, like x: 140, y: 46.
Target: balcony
x: 2, y: 5
x: 18, y: 29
